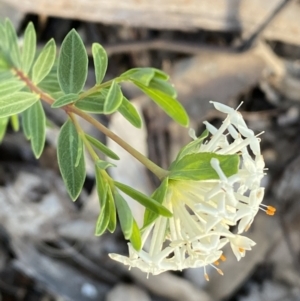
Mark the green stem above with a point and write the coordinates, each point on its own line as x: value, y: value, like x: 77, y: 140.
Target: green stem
x: 158, y: 171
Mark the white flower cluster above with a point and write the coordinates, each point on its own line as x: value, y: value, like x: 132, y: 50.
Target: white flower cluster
x: 204, y: 211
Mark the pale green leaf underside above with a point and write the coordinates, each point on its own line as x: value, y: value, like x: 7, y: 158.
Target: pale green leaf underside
x: 13, y: 47
x: 44, y: 62
x: 29, y: 48
x: 10, y: 86
x: 16, y: 103
x: 67, y: 150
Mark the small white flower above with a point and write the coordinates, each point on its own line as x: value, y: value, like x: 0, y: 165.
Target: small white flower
x: 205, y: 211
x: 239, y: 244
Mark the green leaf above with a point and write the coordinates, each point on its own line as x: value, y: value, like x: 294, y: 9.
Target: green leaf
x: 101, y: 186
x: 10, y: 86
x: 130, y: 113
x: 6, y: 75
x: 50, y: 83
x: 65, y: 100
x: 100, y: 62
x: 104, y: 164
x: 103, y: 219
x: 140, y: 75
x: 197, y: 167
x: 136, y: 239
x: 113, y: 98
x: 25, y: 124
x: 159, y: 196
x: 79, y: 152
x: 3, y: 35
x: 14, y: 120
x: 67, y: 149
x: 16, y: 103
x: 170, y: 105
x: 103, y: 148
x: 29, y: 48
x: 12, y: 40
x: 111, y: 227
x: 4, y: 65
x: 72, y: 64
x: 163, y: 86
x: 124, y: 214
x: 3, y: 126
x: 146, y: 201
x: 44, y: 62
x: 36, y: 126
x: 192, y: 147
x: 93, y: 103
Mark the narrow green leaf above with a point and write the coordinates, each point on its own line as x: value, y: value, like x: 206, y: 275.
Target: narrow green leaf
x: 65, y: 100
x: 140, y: 75
x: 3, y: 126
x: 170, y: 105
x: 197, y: 167
x: 12, y: 40
x: 159, y: 196
x: 16, y: 103
x: 67, y: 150
x: 14, y: 120
x: 100, y: 62
x: 4, y: 65
x: 37, y: 128
x: 25, y: 124
x: 163, y: 86
x: 103, y: 219
x: 101, y: 186
x: 111, y: 227
x: 104, y: 164
x: 44, y: 62
x: 3, y: 37
x: 93, y: 103
x: 192, y: 147
x: 136, y: 239
x: 72, y: 63
x: 159, y: 74
x: 50, y: 83
x: 124, y: 214
x: 79, y: 152
x: 146, y: 201
x: 11, y: 86
x: 129, y: 112
x: 29, y: 48
x: 113, y: 98
x: 103, y: 148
